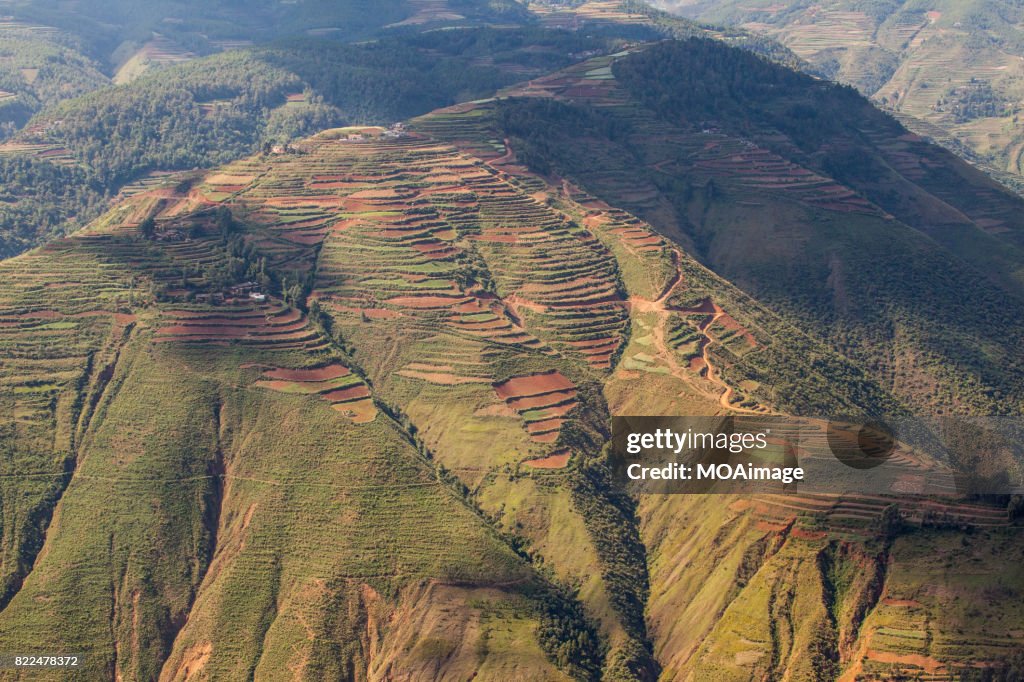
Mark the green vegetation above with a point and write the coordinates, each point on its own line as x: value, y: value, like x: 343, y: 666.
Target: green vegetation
x: 37, y: 71
x: 40, y: 200
x: 212, y: 110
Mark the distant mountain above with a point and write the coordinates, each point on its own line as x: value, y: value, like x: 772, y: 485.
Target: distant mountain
x: 54, y: 51
x: 955, y: 64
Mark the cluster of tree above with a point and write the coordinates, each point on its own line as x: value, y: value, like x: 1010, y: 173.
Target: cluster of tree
x: 40, y: 200
x: 610, y: 516
x: 975, y: 100
x: 397, y: 78
x: 198, y: 114
x: 541, y: 130
x: 567, y: 636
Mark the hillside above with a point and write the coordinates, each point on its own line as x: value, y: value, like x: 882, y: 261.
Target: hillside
x: 951, y: 64
x: 392, y: 466
x: 805, y: 196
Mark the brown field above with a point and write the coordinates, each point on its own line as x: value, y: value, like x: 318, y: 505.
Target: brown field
x: 536, y: 384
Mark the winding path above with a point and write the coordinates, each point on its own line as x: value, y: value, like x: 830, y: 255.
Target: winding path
x: 661, y: 308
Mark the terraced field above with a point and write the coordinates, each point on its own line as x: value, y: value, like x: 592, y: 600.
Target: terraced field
x: 50, y: 152
x: 87, y: 349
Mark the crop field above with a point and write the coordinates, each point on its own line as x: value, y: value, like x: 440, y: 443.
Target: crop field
x: 542, y: 400
x: 825, y: 29
x: 428, y: 11
x: 591, y: 11
x: 267, y: 326
x: 346, y: 392
x: 11, y: 26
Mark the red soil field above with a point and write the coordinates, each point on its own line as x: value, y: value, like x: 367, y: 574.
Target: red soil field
x: 292, y: 202
x: 380, y: 313
x: 545, y: 426
x: 423, y: 301
x: 929, y: 665
x: 900, y: 602
x: 346, y: 394
x: 536, y: 384
x: 595, y: 345
x: 544, y: 400
x: 224, y: 331
x: 732, y: 325
x: 707, y: 306
x: 385, y: 194
x: 305, y: 239
x: 37, y: 315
